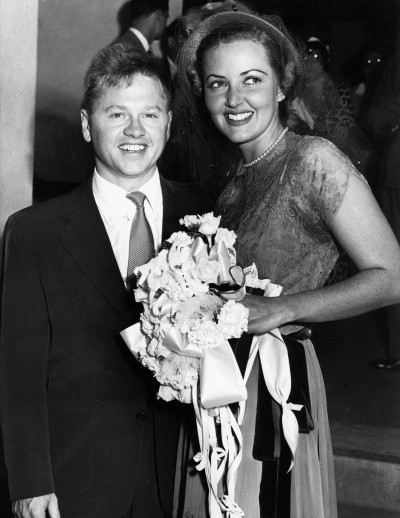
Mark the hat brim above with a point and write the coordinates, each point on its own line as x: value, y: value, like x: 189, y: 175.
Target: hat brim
x: 192, y: 43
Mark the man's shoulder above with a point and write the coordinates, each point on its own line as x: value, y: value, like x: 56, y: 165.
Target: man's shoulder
x: 41, y: 215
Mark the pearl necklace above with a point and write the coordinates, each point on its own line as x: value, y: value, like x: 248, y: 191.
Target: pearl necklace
x: 256, y: 160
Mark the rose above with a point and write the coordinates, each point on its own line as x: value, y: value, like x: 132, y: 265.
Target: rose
x: 209, y: 224
x: 207, y: 271
x: 226, y: 236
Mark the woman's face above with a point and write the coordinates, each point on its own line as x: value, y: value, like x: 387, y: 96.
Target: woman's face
x: 242, y: 93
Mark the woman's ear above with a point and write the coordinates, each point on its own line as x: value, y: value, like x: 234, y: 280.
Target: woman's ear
x: 280, y: 95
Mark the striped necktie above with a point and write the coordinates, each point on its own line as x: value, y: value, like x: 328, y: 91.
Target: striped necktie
x: 141, y: 242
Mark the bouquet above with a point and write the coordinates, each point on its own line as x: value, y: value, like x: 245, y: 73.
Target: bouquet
x: 183, y: 317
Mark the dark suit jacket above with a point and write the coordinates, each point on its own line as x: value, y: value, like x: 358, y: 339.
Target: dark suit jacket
x: 73, y: 399
x: 130, y: 38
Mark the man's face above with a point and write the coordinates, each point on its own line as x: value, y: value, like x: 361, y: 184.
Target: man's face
x: 128, y: 126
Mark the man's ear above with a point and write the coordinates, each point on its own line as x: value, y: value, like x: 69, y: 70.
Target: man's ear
x: 85, y: 125
x: 170, y: 115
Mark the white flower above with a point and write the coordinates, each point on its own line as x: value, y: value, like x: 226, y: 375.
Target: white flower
x: 147, y: 325
x: 178, y: 371
x: 170, y: 394
x: 190, y: 222
x: 178, y: 255
x: 205, y: 335
x: 232, y: 319
x: 208, y: 271
x: 226, y: 236
x: 180, y: 239
x: 150, y: 362
x: 209, y: 224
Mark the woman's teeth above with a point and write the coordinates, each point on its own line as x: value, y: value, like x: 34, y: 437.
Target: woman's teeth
x: 239, y: 116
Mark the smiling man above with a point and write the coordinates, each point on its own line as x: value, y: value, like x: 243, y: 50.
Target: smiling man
x: 83, y: 434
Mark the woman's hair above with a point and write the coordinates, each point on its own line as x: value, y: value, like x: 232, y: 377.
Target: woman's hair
x: 275, y: 50
x: 116, y: 65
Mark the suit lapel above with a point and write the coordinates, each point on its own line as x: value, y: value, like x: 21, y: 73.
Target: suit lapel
x: 172, y: 209
x: 86, y: 239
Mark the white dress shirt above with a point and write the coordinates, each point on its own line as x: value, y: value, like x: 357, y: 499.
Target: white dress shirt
x: 141, y: 38
x: 117, y: 212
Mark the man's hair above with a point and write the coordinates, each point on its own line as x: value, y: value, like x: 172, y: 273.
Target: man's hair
x: 119, y: 64
x: 141, y: 8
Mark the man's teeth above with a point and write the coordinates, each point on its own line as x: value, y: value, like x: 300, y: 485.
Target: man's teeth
x: 132, y: 147
x: 239, y: 116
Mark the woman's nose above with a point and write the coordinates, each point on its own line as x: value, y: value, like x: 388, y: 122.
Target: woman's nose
x: 134, y: 128
x: 234, y: 97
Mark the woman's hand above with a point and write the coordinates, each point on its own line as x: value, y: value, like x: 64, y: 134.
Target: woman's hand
x: 265, y: 313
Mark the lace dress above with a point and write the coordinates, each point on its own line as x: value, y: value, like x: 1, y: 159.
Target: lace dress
x: 281, y: 210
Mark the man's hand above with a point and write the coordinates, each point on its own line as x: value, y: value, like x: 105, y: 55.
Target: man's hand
x: 36, y: 507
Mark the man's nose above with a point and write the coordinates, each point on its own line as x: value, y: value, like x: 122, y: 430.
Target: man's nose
x: 134, y: 128
x: 234, y: 97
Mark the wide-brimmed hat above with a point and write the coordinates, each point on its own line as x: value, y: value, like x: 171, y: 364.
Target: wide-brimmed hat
x: 272, y: 25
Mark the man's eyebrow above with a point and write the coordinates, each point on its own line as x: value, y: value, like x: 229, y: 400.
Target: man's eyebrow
x: 123, y: 107
x: 115, y: 107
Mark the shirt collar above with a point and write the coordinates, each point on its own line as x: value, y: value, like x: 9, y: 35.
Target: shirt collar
x: 141, y: 38
x: 112, y: 200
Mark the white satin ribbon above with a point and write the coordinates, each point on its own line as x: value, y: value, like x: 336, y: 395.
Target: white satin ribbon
x: 219, y: 457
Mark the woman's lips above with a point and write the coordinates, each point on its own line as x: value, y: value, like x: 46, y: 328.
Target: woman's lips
x: 238, y: 119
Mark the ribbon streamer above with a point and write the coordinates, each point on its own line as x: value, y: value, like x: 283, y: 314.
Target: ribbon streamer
x: 275, y: 367
x: 219, y: 460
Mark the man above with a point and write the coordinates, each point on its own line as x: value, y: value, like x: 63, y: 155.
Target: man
x: 79, y: 436
x: 149, y: 19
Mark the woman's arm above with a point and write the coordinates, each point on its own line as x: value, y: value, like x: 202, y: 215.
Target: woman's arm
x: 363, y: 232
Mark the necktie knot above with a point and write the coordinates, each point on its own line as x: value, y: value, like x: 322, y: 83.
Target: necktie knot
x: 137, y: 197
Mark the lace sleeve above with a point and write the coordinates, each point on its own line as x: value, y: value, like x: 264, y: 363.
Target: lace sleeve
x: 326, y: 173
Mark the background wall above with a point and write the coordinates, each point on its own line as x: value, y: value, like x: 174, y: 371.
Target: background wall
x: 17, y: 103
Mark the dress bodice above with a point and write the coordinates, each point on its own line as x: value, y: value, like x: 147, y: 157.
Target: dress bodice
x: 282, y: 209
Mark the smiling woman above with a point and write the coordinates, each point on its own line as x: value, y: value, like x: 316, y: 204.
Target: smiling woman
x: 293, y: 200
x: 242, y: 95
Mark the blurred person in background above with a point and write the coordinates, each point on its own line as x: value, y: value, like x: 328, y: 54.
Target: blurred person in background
x: 148, y: 22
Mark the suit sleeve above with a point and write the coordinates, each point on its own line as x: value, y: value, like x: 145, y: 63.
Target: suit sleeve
x: 24, y: 346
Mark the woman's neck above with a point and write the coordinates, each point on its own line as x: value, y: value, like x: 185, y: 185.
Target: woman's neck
x: 253, y: 150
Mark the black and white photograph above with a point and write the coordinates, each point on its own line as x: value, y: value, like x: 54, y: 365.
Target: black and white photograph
x: 200, y: 259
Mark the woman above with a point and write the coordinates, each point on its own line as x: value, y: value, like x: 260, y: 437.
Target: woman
x: 293, y: 200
